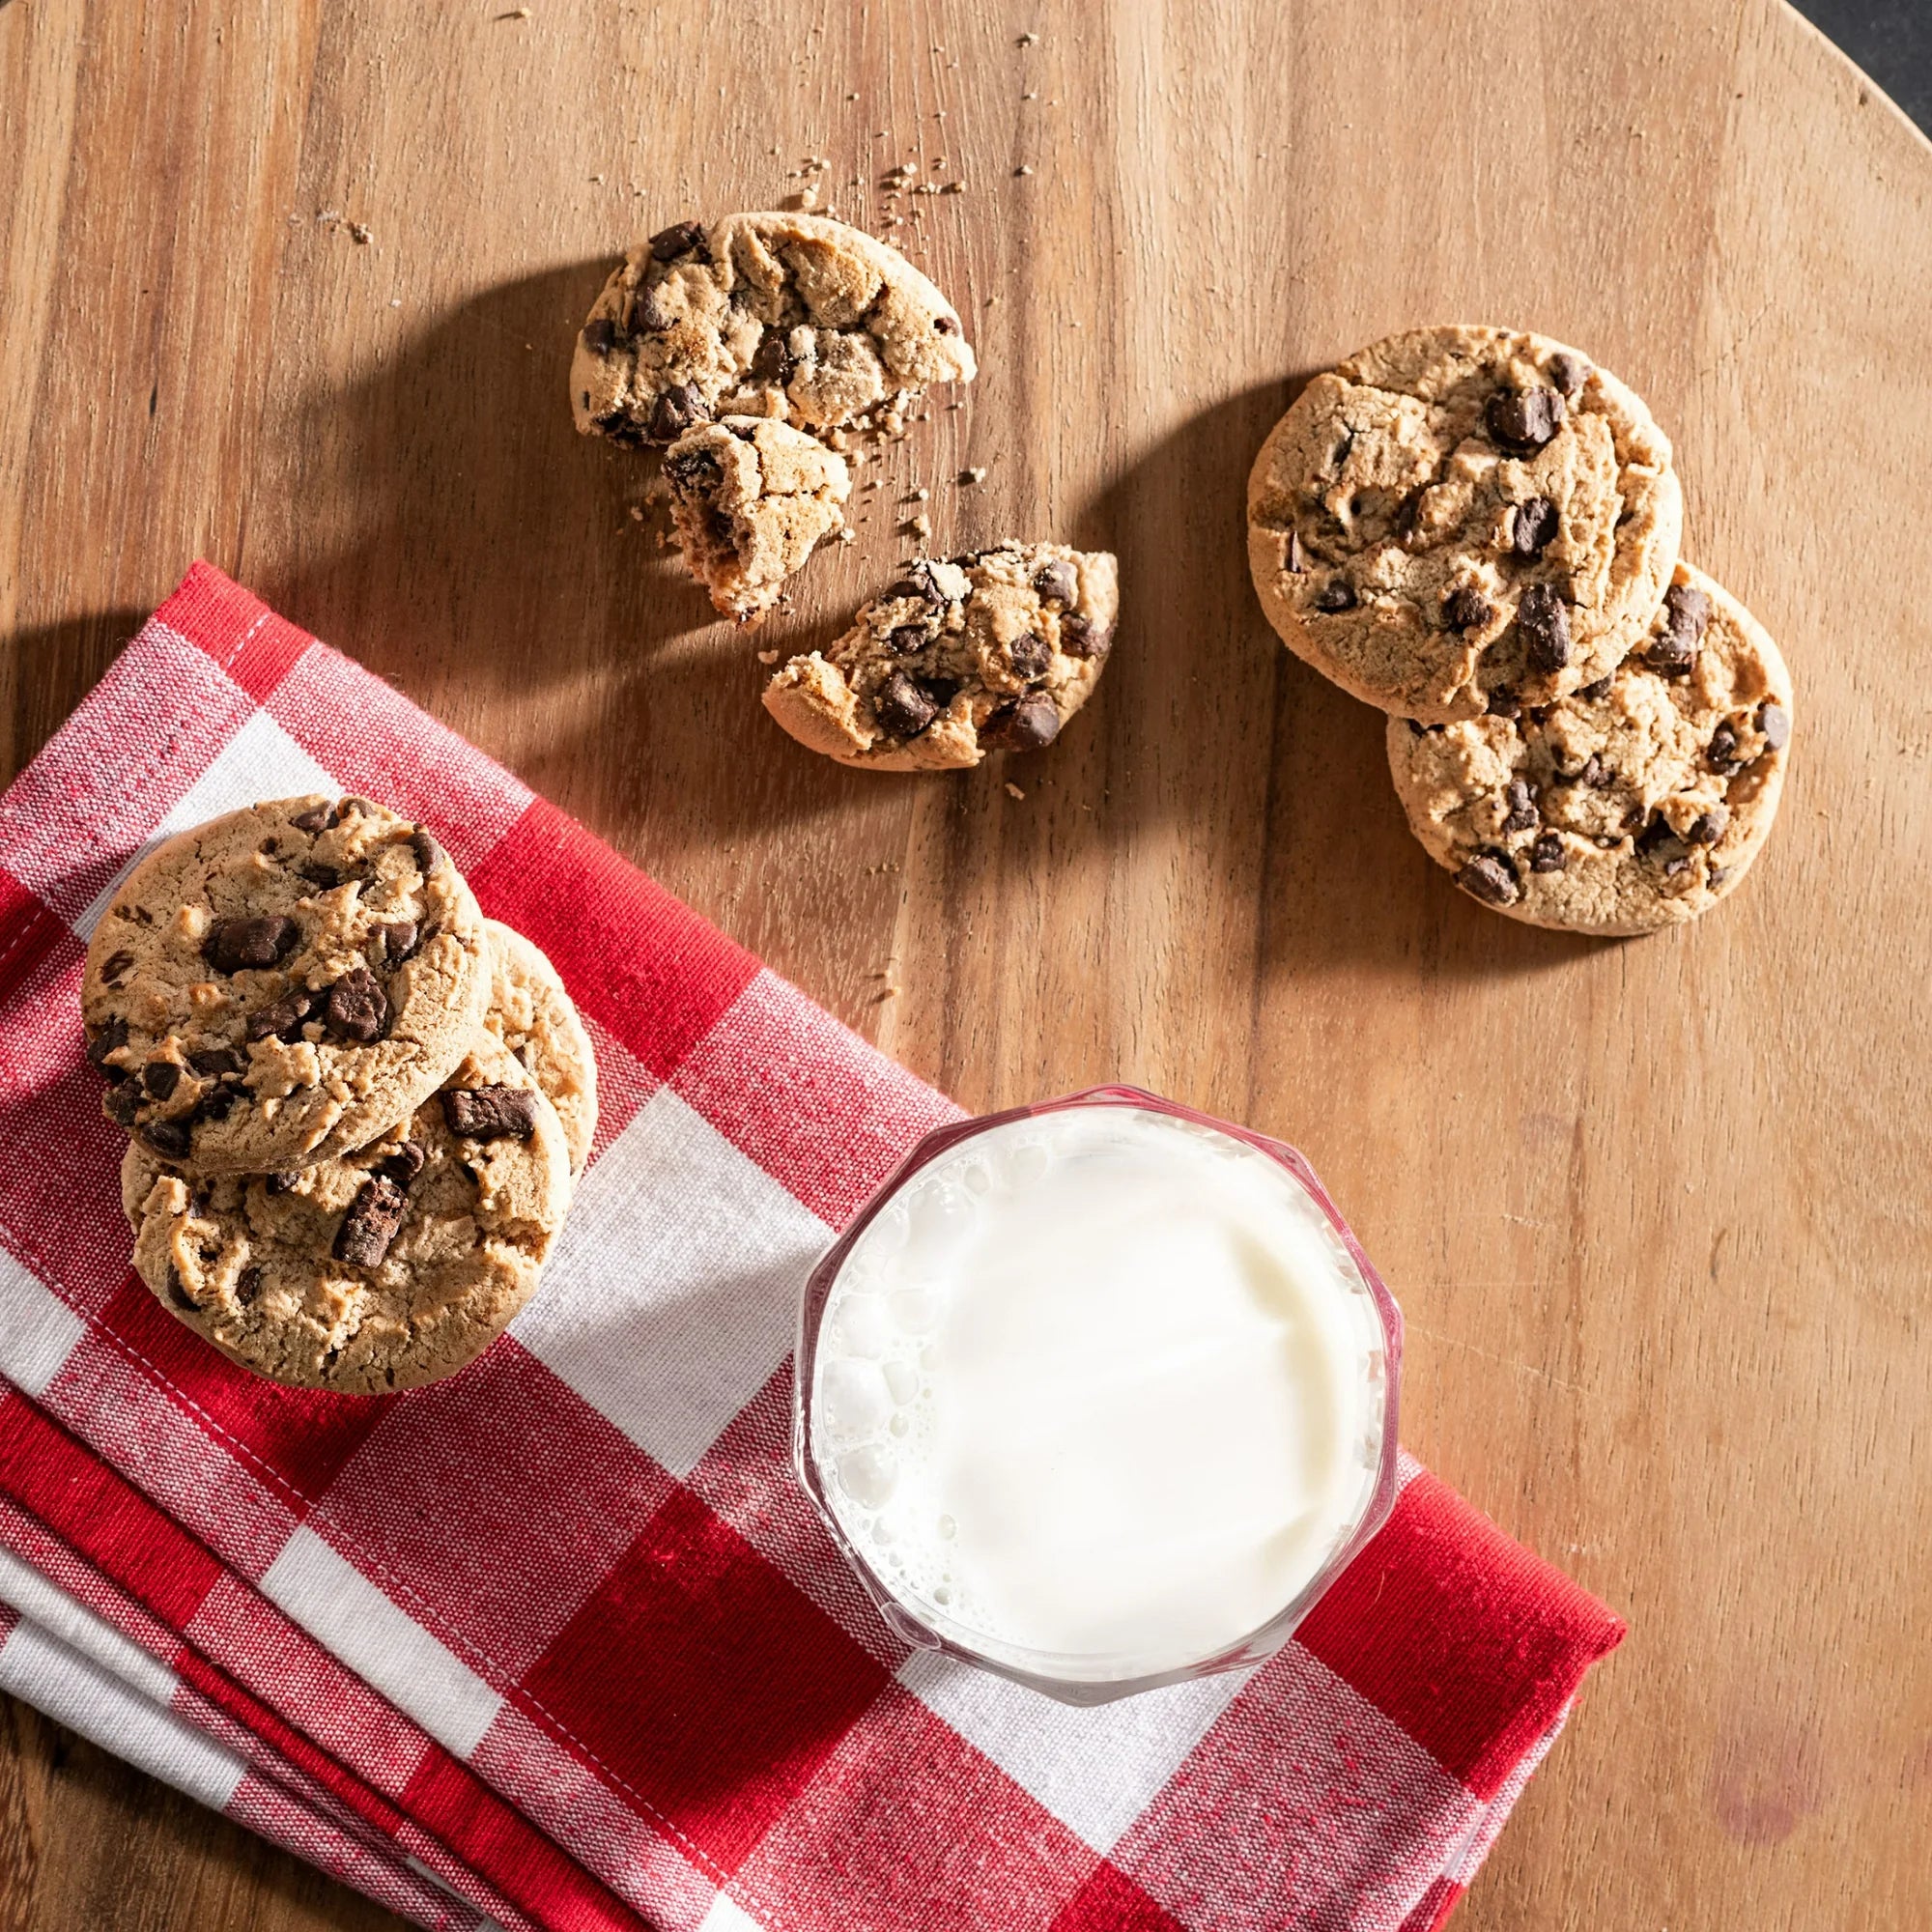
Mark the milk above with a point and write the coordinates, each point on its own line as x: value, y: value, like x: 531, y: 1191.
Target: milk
x: 1098, y: 1393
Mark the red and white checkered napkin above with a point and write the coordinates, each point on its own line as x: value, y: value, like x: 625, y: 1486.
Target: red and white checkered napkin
x: 557, y: 1643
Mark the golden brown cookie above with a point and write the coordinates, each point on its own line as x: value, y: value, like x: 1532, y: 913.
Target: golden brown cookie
x: 533, y: 1016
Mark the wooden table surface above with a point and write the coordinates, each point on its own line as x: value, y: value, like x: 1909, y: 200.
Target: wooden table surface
x: 1658, y: 1211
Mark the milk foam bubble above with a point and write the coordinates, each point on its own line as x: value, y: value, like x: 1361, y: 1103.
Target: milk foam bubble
x: 1102, y: 1385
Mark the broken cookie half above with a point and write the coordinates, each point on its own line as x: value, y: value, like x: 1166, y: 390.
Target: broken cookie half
x: 750, y: 499
x: 991, y: 651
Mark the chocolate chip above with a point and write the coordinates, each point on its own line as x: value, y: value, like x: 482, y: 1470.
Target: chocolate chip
x: 247, y: 1285
x: 1676, y: 863
x: 490, y: 1113
x: 1466, y: 608
x: 906, y: 638
x: 429, y: 855
x: 114, y: 967
x: 1543, y: 622
x: 1029, y: 726
x: 167, y: 1137
x: 1488, y: 877
x: 317, y: 818
x: 212, y: 1063
x: 1597, y: 775
x: 1532, y: 527
x: 403, y: 1165
x: 1337, y: 594
x: 103, y: 1040
x: 283, y: 1182
x: 218, y: 1103
x: 122, y: 1104
x: 773, y: 361
x: 682, y: 238
x: 1081, y: 638
x: 1057, y: 582
x: 1031, y: 655
x: 945, y: 325
x: 1503, y: 703
x: 695, y: 469
x: 1525, y: 420
x: 1774, y: 721
x: 1708, y: 827
x: 233, y: 945
x: 919, y: 583
x: 1596, y: 688
x: 618, y: 427
x: 1721, y: 752
x: 399, y: 938
x: 373, y: 1220
x: 904, y: 708
x: 1547, y: 854
x: 648, y: 313
x: 1715, y: 875
x: 600, y: 335
x: 1674, y: 650
x: 1523, y: 812
x: 357, y: 1006
x: 1569, y: 372
x: 282, y: 1019
x: 676, y: 410
x: 1292, y: 558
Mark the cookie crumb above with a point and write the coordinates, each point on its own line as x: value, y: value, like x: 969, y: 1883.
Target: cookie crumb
x: 953, y: 187
x: 1013, y: 790
x: 636, y: 515
x: 768, y: 656
x: 516, y: 13
x: 849, y: 534
x: 1027, y: 40
x: 1023, y: 169
x: 920, y: 496
x: 976, y: 474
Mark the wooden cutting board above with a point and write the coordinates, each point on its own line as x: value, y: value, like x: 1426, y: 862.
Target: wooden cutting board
x: 1658, y: 1211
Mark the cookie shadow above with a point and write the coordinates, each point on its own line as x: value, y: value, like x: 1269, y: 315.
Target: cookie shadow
x: 56, y: 665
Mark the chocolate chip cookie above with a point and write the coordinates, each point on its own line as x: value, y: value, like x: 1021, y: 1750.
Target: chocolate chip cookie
x: 532, y: 1015
x: 991, y: 651
x: 790, y: 316
x: 281, y: 984
x: 388, y: 1267
x: 1455, y: 519
x: 750, y: 499
x: 1635, y: 803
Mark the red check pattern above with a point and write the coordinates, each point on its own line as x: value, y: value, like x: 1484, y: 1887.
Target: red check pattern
x: 557, y: 1644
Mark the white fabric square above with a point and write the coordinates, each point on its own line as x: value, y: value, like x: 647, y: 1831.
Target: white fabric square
x: 69, y: 1621
x: 390, y: 1650
x: 726, y: 1915
x: 673, y: 1292
x: 38, y: 1329
x: 1095, y: 1770
x: 260, y: 761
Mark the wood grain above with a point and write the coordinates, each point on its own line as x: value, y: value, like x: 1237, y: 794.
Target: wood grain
x: 1657, y: 1210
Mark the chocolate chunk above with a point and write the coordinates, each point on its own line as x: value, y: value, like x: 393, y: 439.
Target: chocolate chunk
x: 1466, y: 608
x: 1292, y: 559
x: 218, y: 1103
x: 618, y: 427
x: 1031, y: 655
x: 1715, y: 875
x: 1503, y: 703
x: 160, y: 1077
x: 1674, y: 649
x: 282, y: 1019
x: 648, y: 313
x: 122, y: 1104
x: 373, y: 1220
x: 1721, y: 752
x: 103, y: 1040
x: 677, y: 408
x: 317, y: 818
x: 403, y: 1165
x: 1057, y: 582
x: 600, y: 335
x: 682, y: 238
x: 1596, y: 688
x: 490, y: 1113
x: 1489, y: 877
x: 358, y: 1008
x: 1543, y: 621
x: 1029, y: 726
x: 695, y: 469
x: 906, y: 638
x: 1774, y: 721
x: 1547, y: 854
x: 1677, y: 863
x: 1337, y: 594
x: 1081, y: 638
x: 399, y: 940
x: 233, y: 945
x: 167, y: 1137
x: 212, y: 1062
x: 1523, y: 812
x: 1569, y: 372
x: 904, y: 708
x: 1524, y: 421
x: 429, y: 855
x: 1708, y: 827
x: 944, y: 324
x: 283, y: 1182
x: 1533, y: 526
x: 1597, y: 775
x: 773, y: 361
x: 114, y: 968
x: 919, y: 583
x: 247, y: 1285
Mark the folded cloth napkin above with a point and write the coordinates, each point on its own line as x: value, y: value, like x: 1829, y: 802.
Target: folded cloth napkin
x: 558, y: 1644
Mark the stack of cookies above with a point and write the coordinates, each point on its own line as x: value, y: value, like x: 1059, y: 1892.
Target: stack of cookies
x: 1476, y: 530
x: 355, y: 1108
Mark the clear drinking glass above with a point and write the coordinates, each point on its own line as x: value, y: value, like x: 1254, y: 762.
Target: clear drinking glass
x: 1073, y: 1681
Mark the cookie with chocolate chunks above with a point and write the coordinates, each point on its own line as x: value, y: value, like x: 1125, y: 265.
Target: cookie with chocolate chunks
x: 1635, y: 804
x: 380, y: 1269
x: 991, y: 651
x: 280, y: 984
x: 535, y: 1018
x: 1455, y: 520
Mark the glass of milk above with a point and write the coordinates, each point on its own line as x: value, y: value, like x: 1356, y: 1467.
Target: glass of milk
x: 1099, y: 1394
